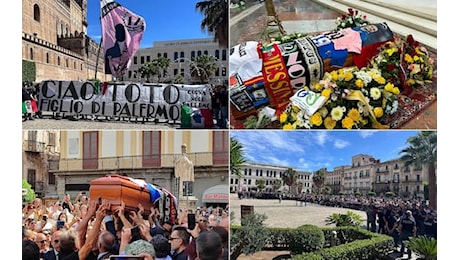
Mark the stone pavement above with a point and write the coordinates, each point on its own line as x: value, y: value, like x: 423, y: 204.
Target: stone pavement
x: 289, y: 213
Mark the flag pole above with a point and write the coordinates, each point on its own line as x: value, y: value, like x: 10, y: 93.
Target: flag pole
x: 97, y: 58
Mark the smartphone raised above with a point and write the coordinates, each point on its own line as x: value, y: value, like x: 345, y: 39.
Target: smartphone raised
x: 191, y: 222
x: 125, y: 257
x: 60, y: 224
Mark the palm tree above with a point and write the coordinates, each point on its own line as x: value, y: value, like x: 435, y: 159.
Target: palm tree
x: 290, y: 178
x: 236, y: 158
x: 422, y: 151
x: 203, y: 67
x: 260, y: 184
x: 276, y: 184
x: 162, y: 65
x: 147, y: 70
x: 318, y: 180
x: 215, y: 19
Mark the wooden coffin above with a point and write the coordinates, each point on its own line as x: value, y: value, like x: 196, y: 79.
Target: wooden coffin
x: 117, y: 188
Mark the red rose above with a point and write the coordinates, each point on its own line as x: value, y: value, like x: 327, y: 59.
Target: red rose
x: 350, y: 11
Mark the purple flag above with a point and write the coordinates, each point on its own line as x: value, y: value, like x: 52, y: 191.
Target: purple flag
x: 122, y: 32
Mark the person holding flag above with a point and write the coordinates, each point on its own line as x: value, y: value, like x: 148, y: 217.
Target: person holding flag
x: 122, y: 32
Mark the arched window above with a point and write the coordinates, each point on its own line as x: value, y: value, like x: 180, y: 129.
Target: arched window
x: 67, y: 63
x: 165, y: 55
x: 176, y: 55
x: 81, y: 66
x: 159, y: 55
x: 182, y: 54
x: 192, y: 55
x: 217, y: 53
x: 59, y: 61
x: 205, y: 52
x: 198, y: 53
x: 36, y: 13
x: 47, y: 58
x: 75, y: 65
x: 31, y: 54
x: 224, y: 54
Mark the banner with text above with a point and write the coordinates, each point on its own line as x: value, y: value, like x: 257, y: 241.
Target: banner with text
x: 144, y: 100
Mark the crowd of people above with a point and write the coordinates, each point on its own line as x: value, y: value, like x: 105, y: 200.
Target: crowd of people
x: 219, y: 104
x: 394, y: 216
x: 94, y: 229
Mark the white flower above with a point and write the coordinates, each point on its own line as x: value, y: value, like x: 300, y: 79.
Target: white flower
x: 375, y: 93
x: 337, y: 113
x: 366, y: 78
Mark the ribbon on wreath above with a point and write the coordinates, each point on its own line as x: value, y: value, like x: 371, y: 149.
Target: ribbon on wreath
x: 357, y: 95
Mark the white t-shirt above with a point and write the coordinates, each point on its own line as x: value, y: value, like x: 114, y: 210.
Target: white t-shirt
x: 244, y: 60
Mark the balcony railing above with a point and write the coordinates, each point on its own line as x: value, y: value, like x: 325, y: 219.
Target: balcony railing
x: 135, y: 162
x: 34, y: 146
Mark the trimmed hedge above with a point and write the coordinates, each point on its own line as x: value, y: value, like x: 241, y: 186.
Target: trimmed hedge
x: 309, y: 242
x: 28, y: 71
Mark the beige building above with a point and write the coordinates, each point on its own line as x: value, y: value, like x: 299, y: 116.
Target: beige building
x: 40, y: 152
x: 54, y: 37
x: 181, y: 54
x: 148, y: 155
x: 369, y: 174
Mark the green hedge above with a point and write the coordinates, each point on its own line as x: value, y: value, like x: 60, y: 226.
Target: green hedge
x: 28, y: 71
x: 309, y: 242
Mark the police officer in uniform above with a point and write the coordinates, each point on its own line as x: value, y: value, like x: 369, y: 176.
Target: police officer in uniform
x: 407, y: 228
x: 431, y: 225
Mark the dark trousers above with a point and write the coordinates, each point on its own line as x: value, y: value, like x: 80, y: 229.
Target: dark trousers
x: 404, y: 239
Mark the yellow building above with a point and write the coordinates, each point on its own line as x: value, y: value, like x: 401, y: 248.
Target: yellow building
x: 148, y: 155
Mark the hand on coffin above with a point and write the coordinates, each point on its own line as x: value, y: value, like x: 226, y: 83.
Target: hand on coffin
x: 92, y: 207
x: 103, y: 210
x: 152, y: 213
x: 145, y: 232
x: 121, y: 209
x: 140, y: 211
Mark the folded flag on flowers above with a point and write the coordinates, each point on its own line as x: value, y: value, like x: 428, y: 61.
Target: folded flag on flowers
x: 349, y: 78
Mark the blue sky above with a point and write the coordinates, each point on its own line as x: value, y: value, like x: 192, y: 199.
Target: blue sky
x: 165, y: 20
x: 313, y: 150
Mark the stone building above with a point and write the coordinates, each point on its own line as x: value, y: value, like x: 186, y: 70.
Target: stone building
x: 147, y: 155
x: 252, y: 172
x: 40, y: 152
x: 181, y: 53
x: 54, y: 37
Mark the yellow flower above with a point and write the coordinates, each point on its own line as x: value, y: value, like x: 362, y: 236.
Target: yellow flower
x: 326, y: 93
x: 359, y: 83
x: 318, y: 87
x: 396, y: 91
x: 391, y: 51
x: 389, y: 87
x: 316, y: 119
x: 287, y: 126
x: 334, y: 75
x: 283, y: 117
x: 354, y: 114
x: 295, y: 109
x: 416, y: 58
x: 430, y: 73
x: 408, y: 58
x: 378, y: 112
x: 410, y: 82
x: 379, y: 79
x: 329, y: 123
x: 347, y: 123
x: 348, y: 76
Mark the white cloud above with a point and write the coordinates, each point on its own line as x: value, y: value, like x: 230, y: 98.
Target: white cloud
x: 365, y: 133
x: 339, y: 143
x: 321, y: 137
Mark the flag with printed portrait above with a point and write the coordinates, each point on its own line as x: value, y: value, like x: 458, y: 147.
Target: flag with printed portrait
x: 122, y: 32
